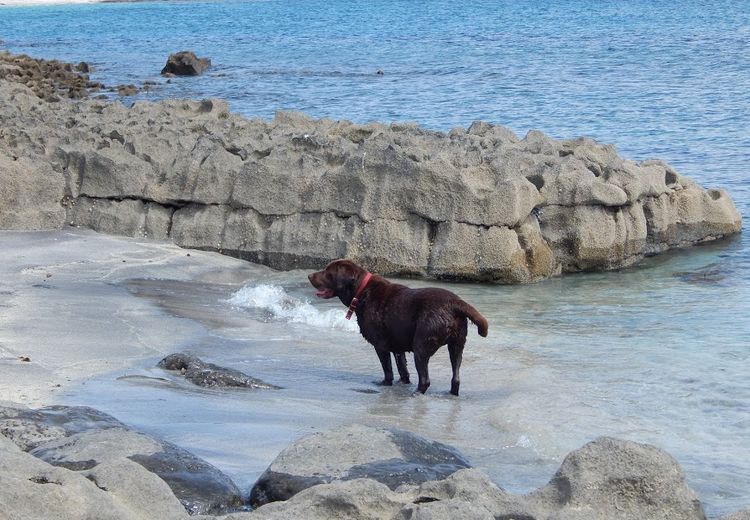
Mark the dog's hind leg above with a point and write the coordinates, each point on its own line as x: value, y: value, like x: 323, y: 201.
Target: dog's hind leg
x: 385, y: 360
x: 420, y: 363
x: 456, y: 351
x: 403, y: 372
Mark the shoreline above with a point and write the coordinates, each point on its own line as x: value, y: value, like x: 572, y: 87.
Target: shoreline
x: 85, y: 271
x: 60, y: 270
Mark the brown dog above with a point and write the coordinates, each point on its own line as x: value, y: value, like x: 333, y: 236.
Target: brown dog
x: 397, y: 319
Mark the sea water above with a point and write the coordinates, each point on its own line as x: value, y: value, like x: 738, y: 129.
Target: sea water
x: 658, y: 353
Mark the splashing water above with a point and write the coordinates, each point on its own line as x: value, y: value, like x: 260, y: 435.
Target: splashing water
x: 280, y: 306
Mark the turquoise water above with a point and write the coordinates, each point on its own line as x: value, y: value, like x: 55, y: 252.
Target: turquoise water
x: 657, y: 354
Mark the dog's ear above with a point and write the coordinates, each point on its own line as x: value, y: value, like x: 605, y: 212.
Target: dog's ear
x: 344, y: 278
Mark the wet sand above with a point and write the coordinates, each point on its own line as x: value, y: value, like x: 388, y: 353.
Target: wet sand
x: 62, y: 309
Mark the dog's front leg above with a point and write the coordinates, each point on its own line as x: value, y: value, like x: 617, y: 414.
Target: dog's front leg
x: 385, y: 360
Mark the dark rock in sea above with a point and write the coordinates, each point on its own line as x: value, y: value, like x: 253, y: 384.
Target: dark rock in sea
x: 391, y: 457
x: 185, y: 63
x: 712, y: 274
x: 201, y: 373
x: 86, y: 440
x: 127, y: 90
x: 84, y: 67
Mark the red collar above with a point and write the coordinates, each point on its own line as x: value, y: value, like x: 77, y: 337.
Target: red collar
x: 355, y: 300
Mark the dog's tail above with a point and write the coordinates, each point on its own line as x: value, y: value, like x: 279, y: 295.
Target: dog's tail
x: 474, y: 315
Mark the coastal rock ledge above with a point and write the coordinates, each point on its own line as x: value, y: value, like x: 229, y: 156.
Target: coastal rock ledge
x: 470, y: 204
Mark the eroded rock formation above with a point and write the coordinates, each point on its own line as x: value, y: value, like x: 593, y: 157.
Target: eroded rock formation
x: 293, y: 192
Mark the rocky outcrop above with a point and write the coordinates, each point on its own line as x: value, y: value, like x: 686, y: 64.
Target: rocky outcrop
x: 94, y: 446
x: 53, y: 80
x: 78, y: 463
x: 473, y: 204
x: 48, y: 79
x: 606, y: 478
x: 201, y: 373
x: 185, y: 63
x: 391, y: 457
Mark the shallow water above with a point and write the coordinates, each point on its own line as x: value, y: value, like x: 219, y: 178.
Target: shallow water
x: 657, y: 353
x: 649, y: 354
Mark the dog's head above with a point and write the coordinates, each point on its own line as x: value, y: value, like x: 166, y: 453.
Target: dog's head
x: 339, y: 278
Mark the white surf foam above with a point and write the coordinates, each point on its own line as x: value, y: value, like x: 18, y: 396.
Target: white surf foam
x: 281, y: 306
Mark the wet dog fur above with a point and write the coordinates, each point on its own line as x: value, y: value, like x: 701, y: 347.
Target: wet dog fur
x: 396, y: 319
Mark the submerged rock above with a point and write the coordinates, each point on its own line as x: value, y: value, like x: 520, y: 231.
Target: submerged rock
x: 201, y: 373
x: 391, y: 457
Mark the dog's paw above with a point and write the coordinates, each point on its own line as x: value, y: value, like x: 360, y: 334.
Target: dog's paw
x: 384, y: 382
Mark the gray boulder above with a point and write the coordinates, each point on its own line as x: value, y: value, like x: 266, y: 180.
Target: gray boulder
x: 31, y: 489
x: 613, y: 478
x: 360, y: 499
x: 85, y: 440
x: 607, y: 478
x: 391, y: 457
x: 185, y: 63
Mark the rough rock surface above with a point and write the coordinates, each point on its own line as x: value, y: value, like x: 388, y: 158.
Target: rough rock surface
x: 48, y: 79
x: 474, y: 204
x: 185, y: 63
x: 391, y: 457
x: 93, y: 475
x: 201, y: 373
x: 107, y: 453
x: 52, y: 80
x: 606, y: 478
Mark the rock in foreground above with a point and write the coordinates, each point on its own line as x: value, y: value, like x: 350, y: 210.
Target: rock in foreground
x: 472, y: 204
x: 605, y: 479
x: 81, y: 465
x: 391, y: 457
x: 94, y: 447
